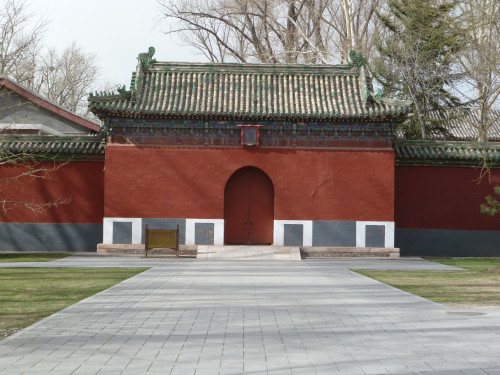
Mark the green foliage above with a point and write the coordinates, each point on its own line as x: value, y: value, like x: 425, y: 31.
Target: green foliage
x: 418, y: 59
x: 492, y: 205
x: 471, y: 264
x: 478, y: 283
x: 31, y: 257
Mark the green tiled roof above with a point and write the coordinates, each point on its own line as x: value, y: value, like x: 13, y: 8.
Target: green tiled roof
x: 447, y: 153
x: 249, y: 92
x: 55, y: 147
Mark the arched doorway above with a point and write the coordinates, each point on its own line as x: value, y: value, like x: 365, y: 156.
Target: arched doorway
x: 248, y: 207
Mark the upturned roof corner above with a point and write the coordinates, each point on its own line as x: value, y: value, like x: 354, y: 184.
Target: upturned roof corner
x: 368, y: 96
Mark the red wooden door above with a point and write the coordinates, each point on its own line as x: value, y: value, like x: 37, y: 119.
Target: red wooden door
x: 249, y: 208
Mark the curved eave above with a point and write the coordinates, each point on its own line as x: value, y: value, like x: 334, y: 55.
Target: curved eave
x: 394, y: 115
x: 55, y: 147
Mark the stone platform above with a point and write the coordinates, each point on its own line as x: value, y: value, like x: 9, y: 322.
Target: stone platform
x: 244, y: 252
x: 138, y: 249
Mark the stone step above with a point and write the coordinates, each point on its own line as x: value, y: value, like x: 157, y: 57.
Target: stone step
x: 248, y: 252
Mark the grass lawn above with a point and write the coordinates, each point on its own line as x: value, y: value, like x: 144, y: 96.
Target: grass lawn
x: 30, y: 294
x: 478, y: 285
x: 32, y: 257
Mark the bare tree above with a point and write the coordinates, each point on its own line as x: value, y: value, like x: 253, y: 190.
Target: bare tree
x: 19, y: 167
x: 67, y: 78
x: 272, y: 31
x: 26, y: 168
x: 20, y: 36
x: 64, y: 78
x: 481, y: 61
x: 354, y: 23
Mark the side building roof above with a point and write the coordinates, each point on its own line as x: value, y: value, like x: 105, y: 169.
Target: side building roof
x: 49, y: 147
x: 452, y: 153
x: 461, y: 125
x: 249, y: 92
x: 38, y: 100
x: 464, y: 125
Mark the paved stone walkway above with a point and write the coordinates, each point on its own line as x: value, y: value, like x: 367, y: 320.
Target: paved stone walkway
x: 227, y: 317
x: 242, y: 252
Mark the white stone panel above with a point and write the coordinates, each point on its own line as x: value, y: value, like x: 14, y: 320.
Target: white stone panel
x: 279, y: 231
x: 361, y: 232
x: 107, y: 235
x: 218, y: 230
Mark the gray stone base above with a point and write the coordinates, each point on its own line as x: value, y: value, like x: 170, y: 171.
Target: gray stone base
x: 128, y: 249
x: 333, y: 252
x: 448, y: 243
x: 49, y: 237
x: 305, y: 251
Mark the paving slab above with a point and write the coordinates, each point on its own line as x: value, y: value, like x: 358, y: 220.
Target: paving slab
x: 186, y: 316
x: 250, y: 252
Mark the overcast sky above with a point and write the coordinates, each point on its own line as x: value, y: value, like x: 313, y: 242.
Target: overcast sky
x: 116, y: 31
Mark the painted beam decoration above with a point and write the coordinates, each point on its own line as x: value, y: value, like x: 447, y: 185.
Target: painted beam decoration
x: 250, y: 135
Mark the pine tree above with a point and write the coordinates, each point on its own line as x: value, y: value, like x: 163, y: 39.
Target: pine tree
x: 417, y: 59
x: 492, y: 207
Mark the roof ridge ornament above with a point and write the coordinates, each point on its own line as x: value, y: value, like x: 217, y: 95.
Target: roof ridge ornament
x: 123, y: 92
x: 379, y: 95
x: 357, y: 59
x: 146, y: 58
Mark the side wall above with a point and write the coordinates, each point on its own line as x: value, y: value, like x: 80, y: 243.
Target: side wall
x: 437, y: 212
x: 74, y: 226
x: 313, y: 188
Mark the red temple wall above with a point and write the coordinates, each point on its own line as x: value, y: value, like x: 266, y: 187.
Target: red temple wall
x: 80, y: 182
x: 157, y: 182
x: 443, y: 198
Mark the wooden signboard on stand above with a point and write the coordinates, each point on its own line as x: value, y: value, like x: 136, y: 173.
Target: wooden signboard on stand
x: 161, y: 239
